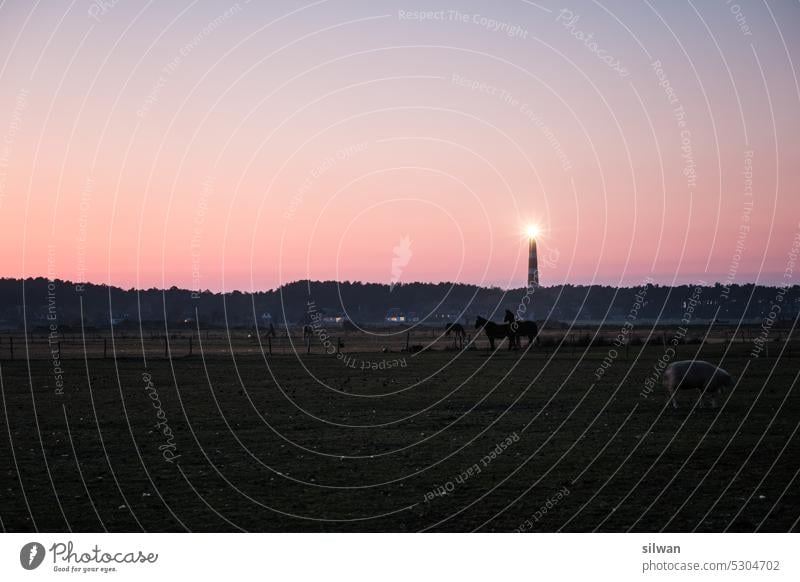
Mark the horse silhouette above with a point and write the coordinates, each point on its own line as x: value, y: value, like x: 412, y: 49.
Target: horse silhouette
x: 495, y: 331
x: 458, y: 330
x: 522, y: 328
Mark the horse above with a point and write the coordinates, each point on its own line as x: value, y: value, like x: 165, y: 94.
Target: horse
x: 495, y: 331
x: 254, y: 335
x: 458, y: 330
x: 522, y: 328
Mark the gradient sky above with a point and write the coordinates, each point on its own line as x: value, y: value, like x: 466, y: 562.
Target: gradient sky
x: 241, y: 146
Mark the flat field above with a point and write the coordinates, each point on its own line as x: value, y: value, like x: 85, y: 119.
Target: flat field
x: 442, y: 440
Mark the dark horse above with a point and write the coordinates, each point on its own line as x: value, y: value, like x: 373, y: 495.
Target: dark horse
x: 495, y: 331
x: 458, y: 330
x: 522, y: 328
x: 269, y: 333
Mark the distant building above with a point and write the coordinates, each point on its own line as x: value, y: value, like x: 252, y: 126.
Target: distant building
x: 397, y: 315
x: 334, y: 318
x: 121, y: 319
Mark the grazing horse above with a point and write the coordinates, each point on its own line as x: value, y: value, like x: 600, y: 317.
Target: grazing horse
x: 495, y: 331
x: 458, y: 330
x: 522, y: 328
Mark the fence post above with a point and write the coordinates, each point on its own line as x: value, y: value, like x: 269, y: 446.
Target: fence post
x: 269, y: 344
x: 105, y: 348
x: 11, y: 346
x: 166, y: 349
x: 190, y: 345
x: 408, y: 339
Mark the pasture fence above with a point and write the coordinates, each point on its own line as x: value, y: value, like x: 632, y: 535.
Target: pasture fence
x: 238, y: 342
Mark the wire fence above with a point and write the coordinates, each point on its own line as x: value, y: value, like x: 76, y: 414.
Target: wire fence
x: 20, y: 346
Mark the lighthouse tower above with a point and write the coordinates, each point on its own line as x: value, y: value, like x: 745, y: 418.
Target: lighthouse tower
x: 533, y: 260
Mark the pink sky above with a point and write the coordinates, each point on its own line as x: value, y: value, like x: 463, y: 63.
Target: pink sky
x: 310, y: 148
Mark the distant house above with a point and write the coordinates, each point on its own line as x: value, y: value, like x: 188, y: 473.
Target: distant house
x: 266, y: 317
x: 121, y: 319
x: 397, y: 315
x: 334, y: 318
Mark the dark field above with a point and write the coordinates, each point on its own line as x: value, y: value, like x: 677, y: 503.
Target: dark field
x: 283, y: 443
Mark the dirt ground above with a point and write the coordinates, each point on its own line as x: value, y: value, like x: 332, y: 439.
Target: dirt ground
x: 434, y: 441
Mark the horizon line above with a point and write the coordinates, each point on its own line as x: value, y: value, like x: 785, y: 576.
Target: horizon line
x: 451, y: 283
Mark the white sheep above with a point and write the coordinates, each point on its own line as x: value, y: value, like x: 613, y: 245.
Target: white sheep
x: 695, y: 375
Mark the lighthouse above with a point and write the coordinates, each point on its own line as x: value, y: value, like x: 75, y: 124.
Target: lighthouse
x: 533, y: 260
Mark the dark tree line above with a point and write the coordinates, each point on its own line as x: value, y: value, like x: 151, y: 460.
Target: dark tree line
x: 41, y: 303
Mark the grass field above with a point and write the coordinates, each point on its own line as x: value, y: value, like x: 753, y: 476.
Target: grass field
x: 437, y: 441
